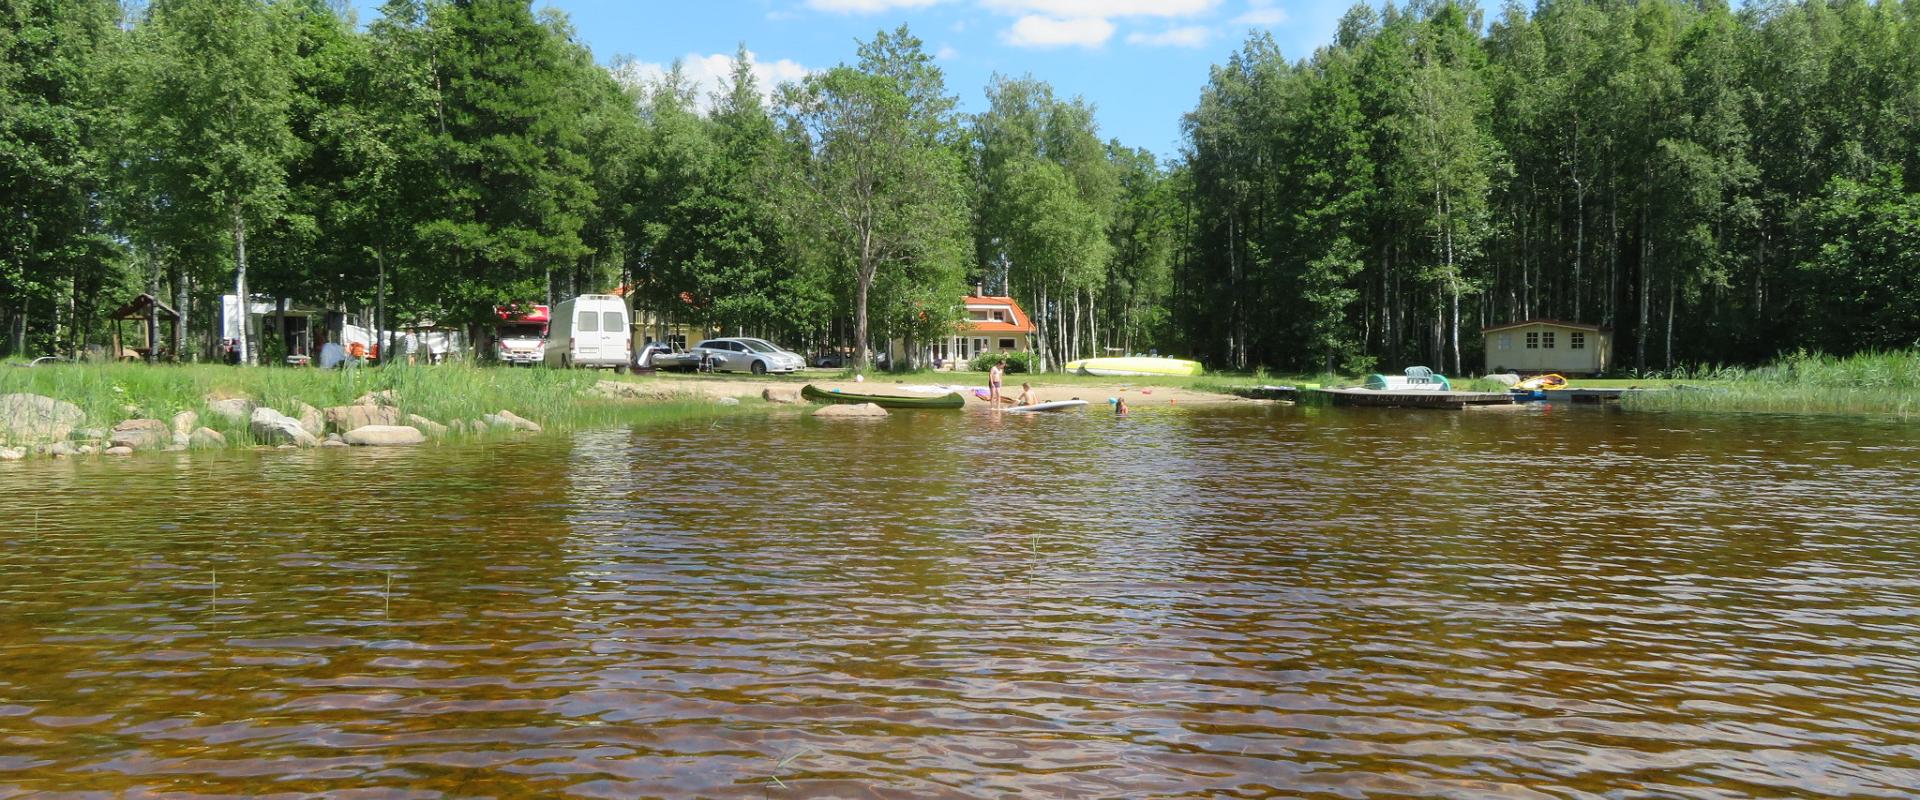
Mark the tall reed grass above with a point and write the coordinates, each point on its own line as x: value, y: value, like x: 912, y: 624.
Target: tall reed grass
x: 1811, y: 383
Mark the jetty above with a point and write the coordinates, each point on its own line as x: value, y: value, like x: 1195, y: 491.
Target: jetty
x: 1372, y: 398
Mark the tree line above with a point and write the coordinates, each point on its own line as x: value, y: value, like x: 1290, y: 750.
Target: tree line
x: 1715, y: 185
x: 451, y: 156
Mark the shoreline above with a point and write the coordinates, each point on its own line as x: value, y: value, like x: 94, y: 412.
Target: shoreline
x: 116, y: 410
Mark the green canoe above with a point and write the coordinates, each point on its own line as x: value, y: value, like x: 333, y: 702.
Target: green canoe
x: 949, y: 400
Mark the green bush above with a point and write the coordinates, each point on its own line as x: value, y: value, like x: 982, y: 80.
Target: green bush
x: 1011, y: 362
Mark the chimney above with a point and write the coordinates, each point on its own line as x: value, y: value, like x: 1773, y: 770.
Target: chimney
x: 979, y: 290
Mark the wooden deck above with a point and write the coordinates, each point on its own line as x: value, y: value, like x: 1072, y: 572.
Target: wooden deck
x: 1454, y: 401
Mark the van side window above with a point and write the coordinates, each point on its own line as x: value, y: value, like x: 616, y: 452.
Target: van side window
x: 614, y: 321
x: 587, y: 322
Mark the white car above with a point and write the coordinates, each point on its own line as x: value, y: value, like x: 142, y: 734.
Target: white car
x: 743, y: 354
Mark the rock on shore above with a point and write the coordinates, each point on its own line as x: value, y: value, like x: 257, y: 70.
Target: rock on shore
x: 385, y: 436
x: 272, y: 427
x: 34, y: 418
x: 851, y: 411
x: 232, y: 410
x: 141, y: 434
x: 346, y: 418
x: 508, y: 419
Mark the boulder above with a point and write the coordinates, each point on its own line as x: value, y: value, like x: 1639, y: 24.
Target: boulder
x: 272, y: 427
x: 346, y: 418
x: 119, y: 450
x: 206, y: 439
x: 384, y: 397
x: 508, y: 419
x: 385, y: 436
x: 784, y: 395
x: 333, y: 443
x: 185, y: 421
x: 60, y: 450
x: 180, y: 440
x: 90, y: 434
x: 427, y: 426
x: 141, y: 434
x: 851, y: 411
x: 87, y: 449
x: 233, y: 410
x: 310, y: 418
x: 12, y: 454
x: 33, y: 418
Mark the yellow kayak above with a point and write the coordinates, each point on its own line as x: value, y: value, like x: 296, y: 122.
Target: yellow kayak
x: 1138, y: 366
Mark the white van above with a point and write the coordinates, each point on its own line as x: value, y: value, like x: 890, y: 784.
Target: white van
x: 590, y: 331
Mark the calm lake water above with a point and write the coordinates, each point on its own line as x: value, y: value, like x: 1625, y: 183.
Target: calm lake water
x: 1233, y: 602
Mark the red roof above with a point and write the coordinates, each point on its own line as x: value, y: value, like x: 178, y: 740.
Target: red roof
x: 1579, y: 326
x: 1018, y: 324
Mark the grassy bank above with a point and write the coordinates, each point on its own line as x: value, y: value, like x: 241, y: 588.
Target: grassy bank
x: 1804, y: 383
x: 556, y: 399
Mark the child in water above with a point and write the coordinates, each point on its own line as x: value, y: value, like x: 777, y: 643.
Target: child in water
x: 1120, y: 406
x: 1026, y: 395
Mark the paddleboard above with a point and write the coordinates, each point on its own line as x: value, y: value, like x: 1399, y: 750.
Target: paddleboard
x: 1057, y: 405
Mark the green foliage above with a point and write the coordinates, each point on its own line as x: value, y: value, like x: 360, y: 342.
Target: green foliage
x: 1011, y: 362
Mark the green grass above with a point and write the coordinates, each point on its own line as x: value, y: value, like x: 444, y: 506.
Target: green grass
x: 1886, y: 383
x: 557, y: 399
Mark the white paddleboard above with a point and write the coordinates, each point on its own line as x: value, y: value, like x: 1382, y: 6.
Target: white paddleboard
x: 1057, y: 405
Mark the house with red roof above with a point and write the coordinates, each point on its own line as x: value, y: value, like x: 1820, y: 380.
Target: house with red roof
x: 994, y: 324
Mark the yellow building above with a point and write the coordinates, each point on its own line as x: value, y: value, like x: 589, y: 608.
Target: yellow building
x: 1546, y: 345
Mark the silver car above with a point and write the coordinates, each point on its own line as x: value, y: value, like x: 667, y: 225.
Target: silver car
x: 743, y: 354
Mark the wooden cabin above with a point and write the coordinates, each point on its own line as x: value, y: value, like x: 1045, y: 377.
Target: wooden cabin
x: 1547, y: 345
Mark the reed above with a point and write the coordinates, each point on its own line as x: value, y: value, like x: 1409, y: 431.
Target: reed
x: 1877, y: 383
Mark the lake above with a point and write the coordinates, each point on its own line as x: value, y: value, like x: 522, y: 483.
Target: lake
x: 1561, y: 602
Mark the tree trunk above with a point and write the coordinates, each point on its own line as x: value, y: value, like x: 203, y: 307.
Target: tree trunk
x: 863, y: 283
x: 380, y: 326
x: 181, y: 299
x: 153, y: 316
x: 17, y: 338
x: 1646, y: 285
x: 240, y: 283
x: 1670, y: 302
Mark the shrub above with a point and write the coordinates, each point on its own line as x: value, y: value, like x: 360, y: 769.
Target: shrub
x: 1011, y: 362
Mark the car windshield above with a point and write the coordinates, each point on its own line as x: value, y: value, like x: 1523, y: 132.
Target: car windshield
x: 759, y: 346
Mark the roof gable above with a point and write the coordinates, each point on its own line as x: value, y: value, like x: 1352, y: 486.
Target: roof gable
x: 1553, y: 323
x: 1017, y: 321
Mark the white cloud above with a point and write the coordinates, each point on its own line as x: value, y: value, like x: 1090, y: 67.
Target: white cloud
x: 946, y: 53
x: 1102, y: 9
x: 709, y: 74
x: 1262, y: 13
x: 1191, y: 36
x: 1037, y: 31
x: 865, y: 6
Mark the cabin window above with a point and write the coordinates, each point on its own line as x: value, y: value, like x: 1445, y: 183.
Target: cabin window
x: 587, y: 322
x: 1577, y: 340
x: 613, y: 321
x: 1006, y: 344
x: 1546, y: 340
x: 999, y: 316
x: 1533, y: 340
x: 1504, y: 341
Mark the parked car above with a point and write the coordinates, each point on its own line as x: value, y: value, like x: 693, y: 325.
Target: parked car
x: 589, y: 331
x: 743, y: 354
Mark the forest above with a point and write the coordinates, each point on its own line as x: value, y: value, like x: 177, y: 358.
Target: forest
x: 1716, y: 185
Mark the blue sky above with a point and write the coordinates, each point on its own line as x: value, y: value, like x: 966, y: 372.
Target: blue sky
x: 1140, y: 62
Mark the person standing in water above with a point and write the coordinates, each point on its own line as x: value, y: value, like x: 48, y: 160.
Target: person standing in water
x: 993, y: 385
x: 1120, y: 406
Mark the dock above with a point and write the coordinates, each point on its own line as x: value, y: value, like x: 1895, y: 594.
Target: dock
x: 1576, y: 395
x: 1368, y: 398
